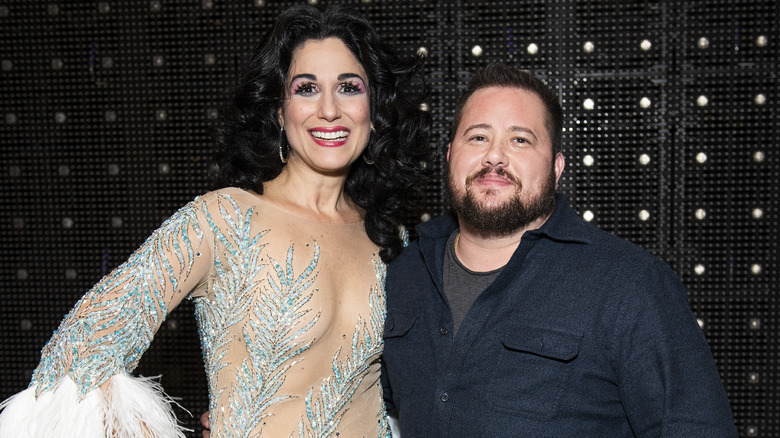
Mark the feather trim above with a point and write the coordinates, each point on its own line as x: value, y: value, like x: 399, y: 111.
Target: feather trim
x: 395, y: 428
x: 140, y: 408
x: 131, y: 407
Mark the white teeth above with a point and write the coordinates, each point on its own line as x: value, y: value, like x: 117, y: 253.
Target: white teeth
x: 336, y: 135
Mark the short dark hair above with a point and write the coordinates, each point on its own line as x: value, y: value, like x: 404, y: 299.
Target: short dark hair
x: 402, y: 156
x: 502, y: 75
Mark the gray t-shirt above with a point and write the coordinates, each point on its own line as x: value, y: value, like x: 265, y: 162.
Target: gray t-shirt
x: 461, y: 285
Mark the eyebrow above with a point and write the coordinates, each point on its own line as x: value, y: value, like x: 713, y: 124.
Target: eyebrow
x: 303, y: 76
x: 526, y: 130
x: 312, y: 77
x: 350, y: 76
x: 513, y: 128
x: 478, y: 126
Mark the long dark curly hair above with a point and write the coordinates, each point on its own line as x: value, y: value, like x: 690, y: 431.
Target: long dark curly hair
x: 250, y: 135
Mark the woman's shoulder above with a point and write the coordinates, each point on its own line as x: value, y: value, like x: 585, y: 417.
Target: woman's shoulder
x: 230, y: 194
x: 228, y: 201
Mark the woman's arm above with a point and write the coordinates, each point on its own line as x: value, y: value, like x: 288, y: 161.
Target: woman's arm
x: 82, y: 385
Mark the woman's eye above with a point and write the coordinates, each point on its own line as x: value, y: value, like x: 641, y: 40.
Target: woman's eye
x: 478, y: 138
x: 305, y: 89
x: 351, y: 88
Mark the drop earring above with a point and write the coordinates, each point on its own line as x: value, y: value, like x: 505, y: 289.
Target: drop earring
x: 366, y: 160
x: 281, y: 146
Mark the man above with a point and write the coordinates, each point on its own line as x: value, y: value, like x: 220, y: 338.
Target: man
x: 517, y: 318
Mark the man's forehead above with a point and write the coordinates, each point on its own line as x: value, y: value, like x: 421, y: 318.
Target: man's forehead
x: 503, y: 102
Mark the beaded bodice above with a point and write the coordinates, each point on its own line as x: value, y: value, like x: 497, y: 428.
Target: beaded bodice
x: 290, y: 313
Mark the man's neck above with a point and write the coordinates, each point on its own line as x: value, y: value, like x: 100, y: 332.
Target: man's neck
x: 481, y: 252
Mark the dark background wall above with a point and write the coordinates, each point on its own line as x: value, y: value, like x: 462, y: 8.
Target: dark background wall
x: 671, y: 138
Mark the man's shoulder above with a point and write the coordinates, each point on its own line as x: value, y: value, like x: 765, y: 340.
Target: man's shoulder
x: 439, y: 226
x: 601, y: 247
x: 435, y: 230
x: 430, y: 234
x: 569, y: 226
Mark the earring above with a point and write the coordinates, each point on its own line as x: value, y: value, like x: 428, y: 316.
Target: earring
x: 281, y: 146
x: 366, y: 160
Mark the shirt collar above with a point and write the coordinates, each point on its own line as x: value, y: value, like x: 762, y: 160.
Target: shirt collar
x: 565, y: 225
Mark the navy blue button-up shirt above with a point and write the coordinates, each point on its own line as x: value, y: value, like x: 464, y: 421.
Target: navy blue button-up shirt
x: 583, y: 334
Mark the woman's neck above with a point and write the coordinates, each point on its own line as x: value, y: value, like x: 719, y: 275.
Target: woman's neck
x: 320, y: 197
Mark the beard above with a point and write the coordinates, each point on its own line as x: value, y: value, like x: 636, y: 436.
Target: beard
x: 506, y: 218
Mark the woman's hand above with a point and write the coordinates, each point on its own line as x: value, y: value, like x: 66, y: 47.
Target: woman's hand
x: 204, y: 421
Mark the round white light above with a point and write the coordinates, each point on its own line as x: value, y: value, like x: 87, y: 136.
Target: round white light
x: 588, y: 47
x: 588, y: 216
x: 588, y: 160
x: 588, y: 104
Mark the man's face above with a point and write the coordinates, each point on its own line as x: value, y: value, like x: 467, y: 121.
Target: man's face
x: 502, y: 173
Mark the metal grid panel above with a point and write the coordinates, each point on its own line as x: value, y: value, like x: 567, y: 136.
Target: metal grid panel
x: 727, y: 150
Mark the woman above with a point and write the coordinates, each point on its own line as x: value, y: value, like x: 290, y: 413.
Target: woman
x: 286, y: 268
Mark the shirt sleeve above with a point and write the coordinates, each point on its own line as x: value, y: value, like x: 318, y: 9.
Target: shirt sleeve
x: 669, y: 383
x: 82, y: 385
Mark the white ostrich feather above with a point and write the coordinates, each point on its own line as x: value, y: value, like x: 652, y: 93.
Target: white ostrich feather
x: 131, y: 407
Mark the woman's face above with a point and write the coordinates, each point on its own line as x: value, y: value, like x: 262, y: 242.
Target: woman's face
x: 325, y: 114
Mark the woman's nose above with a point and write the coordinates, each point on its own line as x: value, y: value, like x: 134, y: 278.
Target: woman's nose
x: 329, y: 108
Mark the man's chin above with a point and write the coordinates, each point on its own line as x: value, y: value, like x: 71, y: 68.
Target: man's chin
x: 494, y: 204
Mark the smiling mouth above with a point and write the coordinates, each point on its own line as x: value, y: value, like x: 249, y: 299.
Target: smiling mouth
x: 330, y: 136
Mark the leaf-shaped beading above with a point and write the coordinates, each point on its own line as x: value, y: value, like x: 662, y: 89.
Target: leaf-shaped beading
x: 237, y: 266
x: 325, y: 410
x: 271, y: 343
x: 111, y: 326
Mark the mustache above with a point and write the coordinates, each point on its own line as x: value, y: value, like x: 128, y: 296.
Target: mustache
x: 498, y: 171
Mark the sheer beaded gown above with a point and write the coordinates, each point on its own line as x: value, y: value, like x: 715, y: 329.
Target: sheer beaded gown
x: 290, y: 313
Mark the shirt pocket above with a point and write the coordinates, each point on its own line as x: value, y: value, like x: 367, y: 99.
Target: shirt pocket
x: 398, y: 324
x: 534, y: 365
x: 401, y: 352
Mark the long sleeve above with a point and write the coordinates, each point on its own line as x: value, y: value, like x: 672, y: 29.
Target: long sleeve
x: 670, y: 385
x: 82, y: 385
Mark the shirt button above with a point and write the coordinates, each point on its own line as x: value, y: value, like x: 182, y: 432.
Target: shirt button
x: 443, y: 330
x: 444, y: 397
